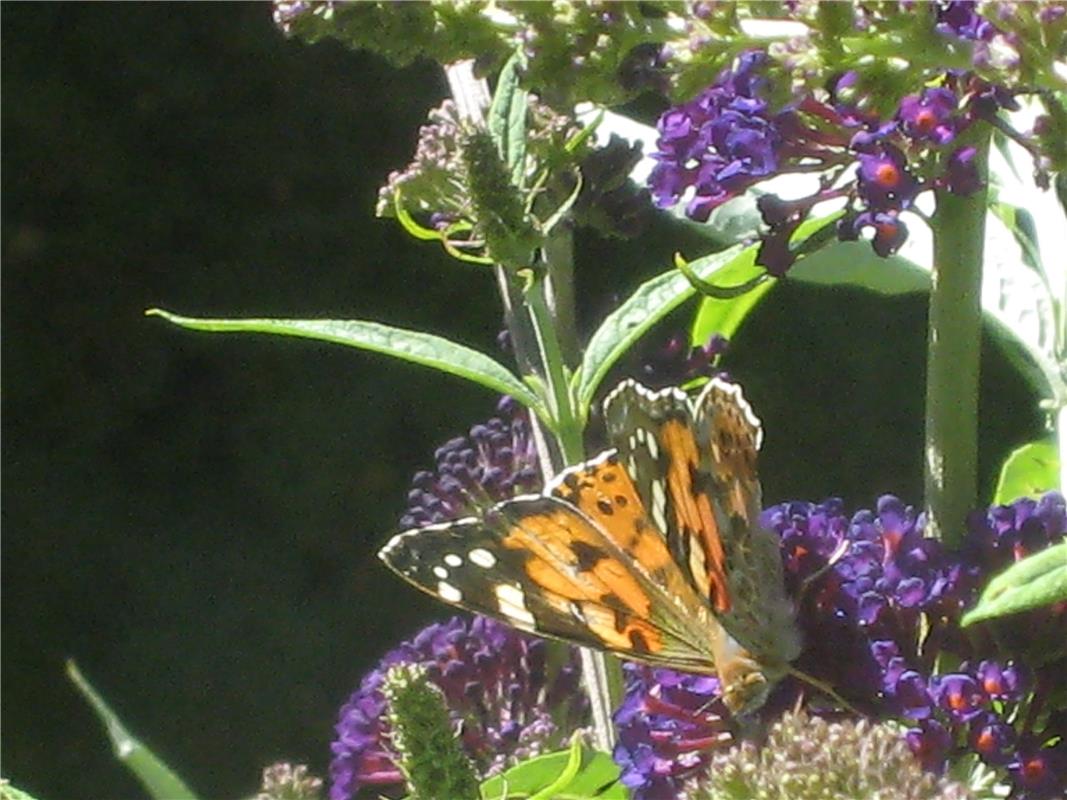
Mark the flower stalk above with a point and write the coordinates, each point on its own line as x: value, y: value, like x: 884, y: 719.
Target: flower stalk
x: 427, y: 748
x: 953, y: 356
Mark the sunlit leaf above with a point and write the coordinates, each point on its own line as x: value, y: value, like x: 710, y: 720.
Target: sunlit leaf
x: 1037, y: 581
x: 1029, y: 471
x: 161, y: 782
x: 9, y: 792
x: 417, y: 347
x: 651, y: 302
x: 591, y: 775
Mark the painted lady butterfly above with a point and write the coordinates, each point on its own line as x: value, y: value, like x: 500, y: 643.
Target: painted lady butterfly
x: 652, y: 550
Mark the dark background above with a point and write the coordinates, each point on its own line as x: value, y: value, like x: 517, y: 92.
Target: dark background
x: 194, y: 518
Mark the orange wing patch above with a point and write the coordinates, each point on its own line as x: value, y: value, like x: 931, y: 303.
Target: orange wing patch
x: 603, y: 490
x: 564, y: 557
x: 605, y: 493
x: 693, y: 512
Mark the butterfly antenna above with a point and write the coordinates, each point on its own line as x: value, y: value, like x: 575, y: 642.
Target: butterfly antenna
x: 837, y: 555
x: 823, y: 687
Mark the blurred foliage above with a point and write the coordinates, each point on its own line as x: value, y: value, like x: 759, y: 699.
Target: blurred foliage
x: 194, y: 518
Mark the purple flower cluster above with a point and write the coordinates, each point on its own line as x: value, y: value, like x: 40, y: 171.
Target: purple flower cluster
x: 719, y: 144
x: 498, y: 692
x: 730, y: 137
x: 495, y: 461
x: 670, y: 724
x: 879, y: 605
x: 676, y: 362
x: 960, y: 18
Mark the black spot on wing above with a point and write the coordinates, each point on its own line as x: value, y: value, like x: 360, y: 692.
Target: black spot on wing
x: 588, y: 555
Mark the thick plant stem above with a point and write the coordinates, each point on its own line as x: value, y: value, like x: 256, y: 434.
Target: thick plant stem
x: 953, y: 358
x: 1061, y: 441
x: 544, y: 341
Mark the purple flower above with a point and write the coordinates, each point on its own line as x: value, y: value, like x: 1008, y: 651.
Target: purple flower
x: 1000, y: 683
x: 1040, y: 772
x: 910, y: 693
x: 875, y: 620
x: 498, y: 692
x: 960, y: 695
x: 884, y: 180
x: 669, y: 726
x: 961, y: 173
x: 930, y: 743
x: 497, y: 460
x: 961, y: 18
x: 676, y: 363
x: 718, y: 144
x: 889, y: 230
x: 993, y: 739
x: 930, y: 116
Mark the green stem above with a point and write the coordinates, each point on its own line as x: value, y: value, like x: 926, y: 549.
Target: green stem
x: 953, y: 358
x: 568, y: 430
x: 1061, y: 441
x: 602, y: 674
x: 558, y: 254
x: 536, y: 341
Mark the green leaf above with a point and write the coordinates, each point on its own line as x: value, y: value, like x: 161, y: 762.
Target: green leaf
x: 507, y: 119
x: 856, y: 264
x: 9, y: 792
x: 1029, y: 471
x: 1020, y: 223
x: 566, y: 777
x: 158, y: 779
x: 414, y: 346
x: 1036, y: 581
x: 724, y: 315
x: 651, y: 302
x: 589, y: 774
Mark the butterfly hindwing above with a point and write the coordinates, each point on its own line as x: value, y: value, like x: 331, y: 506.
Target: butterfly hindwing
x: 655, y: 437
x: 541, y: 565
x: 761, y: 616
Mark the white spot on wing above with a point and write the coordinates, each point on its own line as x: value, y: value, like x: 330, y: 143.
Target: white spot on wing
x: 482, y: 558
x: 653, y: 448
x: 453, y: 560
x: 441, y: 573
x: 659, y: 505
x: 512, y: 603
x: 448, y: 592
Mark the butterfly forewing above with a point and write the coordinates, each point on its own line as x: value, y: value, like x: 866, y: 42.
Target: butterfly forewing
x: 540, y: 564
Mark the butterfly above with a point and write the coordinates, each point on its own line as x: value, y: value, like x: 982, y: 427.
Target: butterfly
x: 652, y: 550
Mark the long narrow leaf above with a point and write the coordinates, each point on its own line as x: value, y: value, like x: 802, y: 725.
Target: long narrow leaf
x: 1035, y: 582
x: 507, y: 119
x: 9, y: 792
x: 414, y: 346
x: 161, y: 782
x: 652, y: 301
